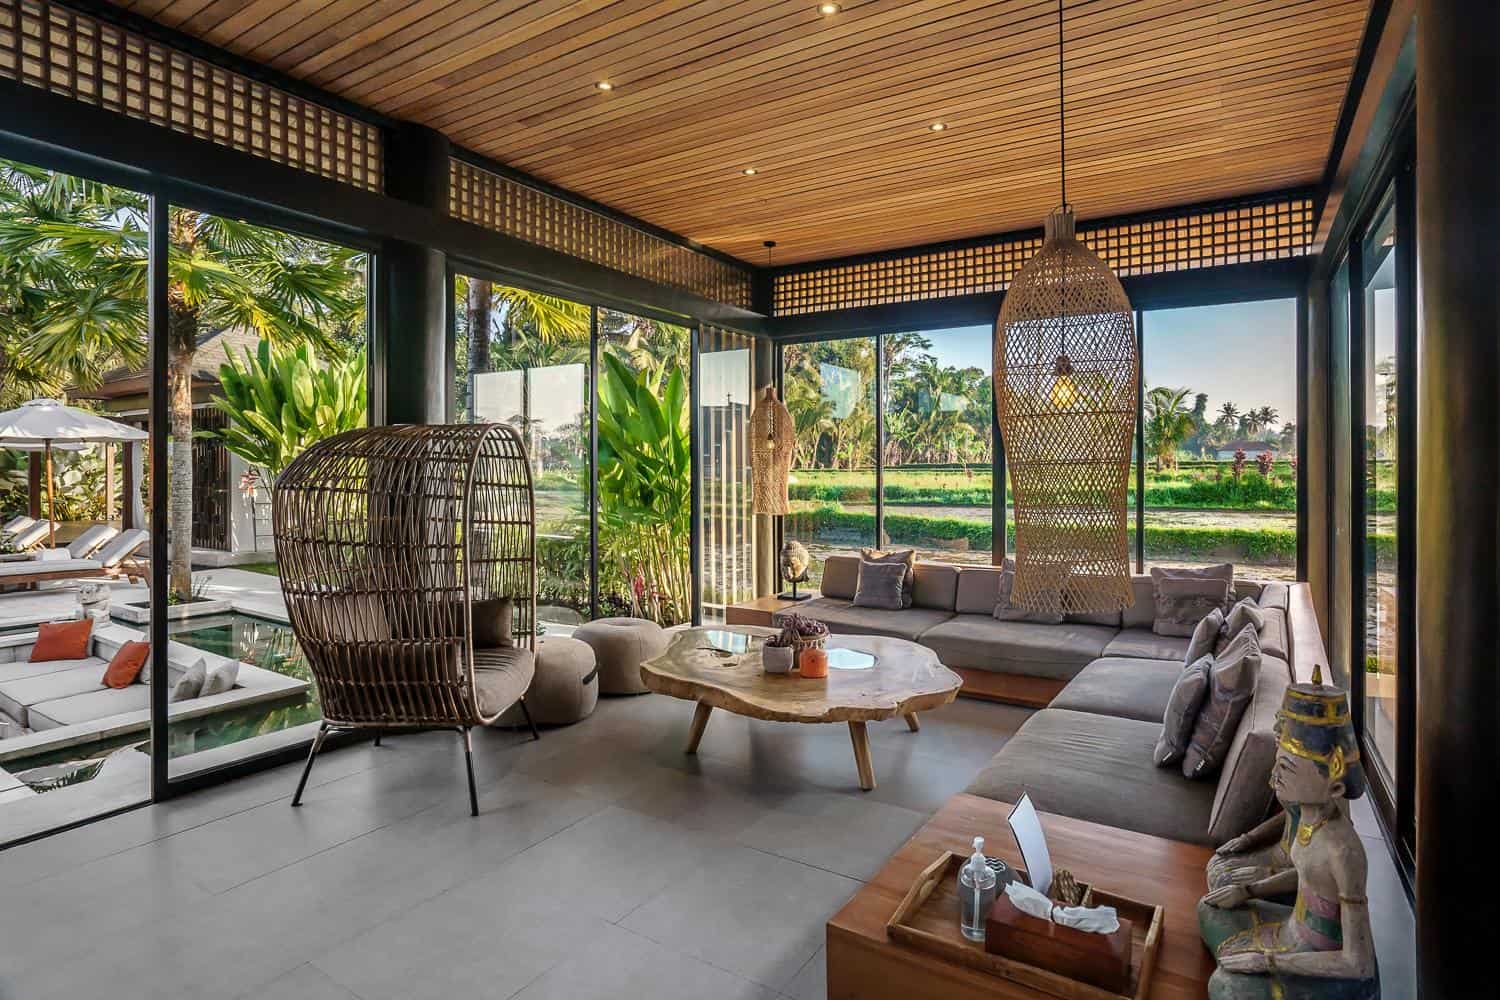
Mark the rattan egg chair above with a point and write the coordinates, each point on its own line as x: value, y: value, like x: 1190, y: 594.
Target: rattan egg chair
x: 388, y: 540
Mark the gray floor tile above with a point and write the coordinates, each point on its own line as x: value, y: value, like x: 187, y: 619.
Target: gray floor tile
x: 305, y: 982
x: 812, y: 982
x: 1392, y: 921
x: 754, y: 914
x: 839, y: 833
x: 616, y: 963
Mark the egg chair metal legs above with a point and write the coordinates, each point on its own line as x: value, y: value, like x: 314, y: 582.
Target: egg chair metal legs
x: 464, y: 731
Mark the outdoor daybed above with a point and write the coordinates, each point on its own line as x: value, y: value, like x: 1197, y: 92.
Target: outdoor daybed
x: 1105, y: 681
x: 118, y: 557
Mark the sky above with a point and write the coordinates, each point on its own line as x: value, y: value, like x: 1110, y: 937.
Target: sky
x: 1245, y: 352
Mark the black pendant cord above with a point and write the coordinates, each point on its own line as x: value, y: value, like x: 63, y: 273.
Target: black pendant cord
x: 1062, y: 115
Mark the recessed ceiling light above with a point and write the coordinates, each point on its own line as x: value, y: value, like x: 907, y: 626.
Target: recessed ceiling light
x: 937, y: 127
x: 828, y: 9
x: 604, y: 85
x: 750, y: 171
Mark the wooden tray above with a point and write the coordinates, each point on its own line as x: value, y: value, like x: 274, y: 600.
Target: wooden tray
x: 927, y: 919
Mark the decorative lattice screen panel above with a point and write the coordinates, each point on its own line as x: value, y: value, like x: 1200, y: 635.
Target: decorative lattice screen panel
x: 1242, y: 232
x: 507, y: 206
x: 49, y: 46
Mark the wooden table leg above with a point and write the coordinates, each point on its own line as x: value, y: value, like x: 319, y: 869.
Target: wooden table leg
x: 862, y: 760
x: 700, y: 722
x: 911, y: 722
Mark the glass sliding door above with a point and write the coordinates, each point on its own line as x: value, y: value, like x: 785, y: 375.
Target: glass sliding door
x: 1342, y: 529
x: 645, y: 468
x: 829, y: 387
x: 1379, y: 420
x: 266, y: 355
x: 727, y: 525
x: 1219, y: 419
x: 74, y: 268
x: 523, y: 359
x: 938, y: 471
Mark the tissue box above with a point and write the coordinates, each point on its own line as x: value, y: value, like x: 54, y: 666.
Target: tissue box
x: 1101, y: 960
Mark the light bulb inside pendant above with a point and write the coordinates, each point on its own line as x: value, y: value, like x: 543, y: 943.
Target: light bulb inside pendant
x: 1064, y: 389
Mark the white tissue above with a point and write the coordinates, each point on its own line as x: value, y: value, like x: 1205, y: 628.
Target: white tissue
x: 1095, y: 919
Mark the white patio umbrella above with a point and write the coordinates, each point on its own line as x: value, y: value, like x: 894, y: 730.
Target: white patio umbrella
x: 46, y: 422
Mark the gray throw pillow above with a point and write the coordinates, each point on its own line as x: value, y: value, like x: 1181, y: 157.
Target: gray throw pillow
x: 1183, y: 707
x: 1205, y: 636
x: 190, y: 684
x: 880, y: 586
x: 1231, y: 685
x: 492, y: 622
x: 1005, y: 611
x: 1184, y: 596
x: 221, y: 678
x: 903, y: 557
x: 1246, y: 612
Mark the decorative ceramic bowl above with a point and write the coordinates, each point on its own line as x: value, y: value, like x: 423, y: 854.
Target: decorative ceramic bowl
x: 776, y: 659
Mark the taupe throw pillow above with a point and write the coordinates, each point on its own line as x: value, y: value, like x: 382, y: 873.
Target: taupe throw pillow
x: 1205, y: 636
x: 1246, y: 612
x: 1184, y: 596
x: 1005, y: 611
x: 880, y: 586
x: 1231, y: 684
x: 190, y: 684
x: 903, y: 557
x: 1183, y: 707
x: 492, y: 622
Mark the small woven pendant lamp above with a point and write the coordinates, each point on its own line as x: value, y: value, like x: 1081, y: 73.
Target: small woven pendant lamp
x: 1066, y: 373
x: 771, y: 442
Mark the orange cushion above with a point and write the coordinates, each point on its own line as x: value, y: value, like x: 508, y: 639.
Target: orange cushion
x: 127, y: 663
x: 62, y: 640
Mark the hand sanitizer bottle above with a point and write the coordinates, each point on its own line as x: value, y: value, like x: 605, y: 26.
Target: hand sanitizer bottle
x: 976, y: 893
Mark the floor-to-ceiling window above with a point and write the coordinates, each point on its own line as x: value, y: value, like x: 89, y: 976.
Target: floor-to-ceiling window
x: 267, y: 340
x: 726, y: 528
x: 829, y: 387
x: 1219, y: 422
x: 1379, y: 423
x: 73, y: 278
x: 937, y: 481
x: 523, y: 358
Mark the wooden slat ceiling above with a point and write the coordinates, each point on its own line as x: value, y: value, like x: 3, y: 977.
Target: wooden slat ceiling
x: 1169, y: 102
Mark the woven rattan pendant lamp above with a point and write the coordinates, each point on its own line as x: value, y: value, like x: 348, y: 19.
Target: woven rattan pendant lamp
x: 1066, y: 373
x: 772, y: 438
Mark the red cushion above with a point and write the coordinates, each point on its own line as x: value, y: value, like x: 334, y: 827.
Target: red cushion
x: 127, y: 663
x: 62, y: 640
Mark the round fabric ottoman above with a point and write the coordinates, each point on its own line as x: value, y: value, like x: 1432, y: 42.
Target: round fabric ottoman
x: 620, y: 644
x: 565, y: 687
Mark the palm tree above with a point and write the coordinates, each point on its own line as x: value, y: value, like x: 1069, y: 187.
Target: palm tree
x: 221, y: 273
x: 1168, y: 423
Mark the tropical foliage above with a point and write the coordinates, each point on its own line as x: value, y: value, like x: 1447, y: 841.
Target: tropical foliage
x: 280, y: 400
x: 1168, y: 422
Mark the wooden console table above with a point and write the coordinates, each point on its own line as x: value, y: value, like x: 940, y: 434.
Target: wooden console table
x: 759, y: 611
x: 864, y: 963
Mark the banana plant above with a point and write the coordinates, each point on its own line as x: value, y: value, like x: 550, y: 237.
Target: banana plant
x: 280, y: 401
x: 645, y: 484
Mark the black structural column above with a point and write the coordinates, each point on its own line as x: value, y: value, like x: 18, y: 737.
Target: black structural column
x: 1458, y: 480
x: 410, y: 360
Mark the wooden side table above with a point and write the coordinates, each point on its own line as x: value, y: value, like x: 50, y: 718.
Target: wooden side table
x: 865, y: 964
x: 760, y: 611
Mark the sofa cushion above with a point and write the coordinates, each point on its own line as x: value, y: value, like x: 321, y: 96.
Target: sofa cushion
x: 1097, y: 768
x: 491, y: 624
x: 978, y: 589
x: 62, y: 640
x: 840, y: 577
x: 1122, y: 687
x: 501, y: 675
x: 1274, y: 594
x: 1205, y: 637
x: 20, y: 670
x: 937, y: 585
x: 1182, y: 711
x: 99, y: 703
x: 1273, y: 633
x: 1143, y: 644
x: 17, y: 696
x: 1143, y: 612
x: 1048, y: 585
x: 1243, y: 797
x: 1244, y: 612
x: 1232, y: 680
x: 843, y: 618
x: 978, y: 642
x: 1183, y: 597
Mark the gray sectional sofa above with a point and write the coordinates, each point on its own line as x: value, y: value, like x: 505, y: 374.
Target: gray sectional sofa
x: 1088, y: 753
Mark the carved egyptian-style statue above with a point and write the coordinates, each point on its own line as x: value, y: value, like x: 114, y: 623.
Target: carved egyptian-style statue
x: 1319, y: 948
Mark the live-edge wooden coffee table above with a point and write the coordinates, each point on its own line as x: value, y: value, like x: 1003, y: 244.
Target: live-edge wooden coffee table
x: 869, y: 678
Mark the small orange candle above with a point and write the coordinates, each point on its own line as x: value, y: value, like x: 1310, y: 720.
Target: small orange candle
x: 813, y: 662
